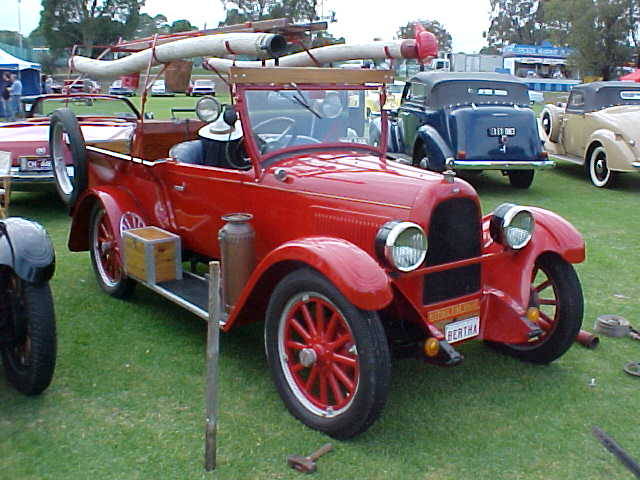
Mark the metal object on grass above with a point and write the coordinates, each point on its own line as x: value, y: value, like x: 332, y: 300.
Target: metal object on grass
x: 308, y: 464
x: 612, y: 326
x: 632, y: 368
x: 611, y: 445
x: 213, y: 350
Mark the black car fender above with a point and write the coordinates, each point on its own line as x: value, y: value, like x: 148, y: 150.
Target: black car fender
x: 26, y: 249
x: 436, y: 149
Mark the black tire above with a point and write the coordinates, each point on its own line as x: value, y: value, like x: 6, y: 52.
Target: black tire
x: 106, y: 259
x: 597, y: 169
x: 69, y: 189
x: 521, y: 178
x: 546, y: 123
x: 30, y: 360
x: 564, y: 324
x: 366, y: 347
x: 419, y: 152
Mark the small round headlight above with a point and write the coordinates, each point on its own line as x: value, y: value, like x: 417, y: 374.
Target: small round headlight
x: 402, y: 245
x: 208, y: 109
x: 512, y: 225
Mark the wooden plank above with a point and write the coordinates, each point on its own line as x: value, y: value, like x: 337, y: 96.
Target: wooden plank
x: 213, y: 351
x: 283, y: 75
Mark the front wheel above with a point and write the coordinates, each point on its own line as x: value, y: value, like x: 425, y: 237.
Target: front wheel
x: 521, y: 178
x: 329, y: 360
x: 106, y: 258
x: 556, y: 291
x: 598, y: 170
x: 28, y: 330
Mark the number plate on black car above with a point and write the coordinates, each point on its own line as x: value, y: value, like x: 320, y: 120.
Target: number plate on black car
x: 500, y: 131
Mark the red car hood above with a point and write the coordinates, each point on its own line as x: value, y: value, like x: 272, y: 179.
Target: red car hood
x: 362, y: 177
x: 32, y: 137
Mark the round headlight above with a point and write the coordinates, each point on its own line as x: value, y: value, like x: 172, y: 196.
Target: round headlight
x: 512, y: 225
x: 402, y: 245
x: 208, y: 109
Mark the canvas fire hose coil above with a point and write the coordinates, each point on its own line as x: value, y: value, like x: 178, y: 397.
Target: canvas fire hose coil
x: 612, y: 326
x: 259, y: 45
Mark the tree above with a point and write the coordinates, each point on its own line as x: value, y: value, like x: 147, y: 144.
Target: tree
x: 239, y: 11
x: 181, y: 26
x: 435, y: 27
x: 88, y: 22
x: 149, y: 26
x: 633, y: 18
x: 516, y: 21
x: 598, y: 30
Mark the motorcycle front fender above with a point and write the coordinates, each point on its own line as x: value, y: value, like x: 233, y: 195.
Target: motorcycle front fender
x: 27, y: 250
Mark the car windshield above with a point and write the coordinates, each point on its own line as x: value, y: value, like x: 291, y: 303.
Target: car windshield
x: 204, y: 83
x: 396, y: 88
x: 293, y: 118
x: 117, y: 84
x: 86, y: 106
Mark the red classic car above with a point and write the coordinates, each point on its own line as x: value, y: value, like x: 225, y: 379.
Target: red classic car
x: 355, y: 255
x: 101, y: 118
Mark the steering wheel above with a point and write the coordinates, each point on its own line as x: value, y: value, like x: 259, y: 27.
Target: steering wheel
x: 276, y: 143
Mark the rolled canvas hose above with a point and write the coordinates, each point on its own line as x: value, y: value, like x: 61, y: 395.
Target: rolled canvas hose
x: 332, y: 53
x: 253, y: 44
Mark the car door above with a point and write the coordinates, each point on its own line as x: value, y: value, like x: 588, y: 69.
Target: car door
x: 198, y: 196
x: 411, y: 113
x: 574, y: 133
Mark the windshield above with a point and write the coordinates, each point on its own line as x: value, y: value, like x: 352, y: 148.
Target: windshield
x: 86, y: 106
x: 204, y: 83
x: 396, y: 88
x: 292, y: 118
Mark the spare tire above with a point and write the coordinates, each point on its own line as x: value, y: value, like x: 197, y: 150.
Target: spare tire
x: 69, y: 187
x: 550, y: 120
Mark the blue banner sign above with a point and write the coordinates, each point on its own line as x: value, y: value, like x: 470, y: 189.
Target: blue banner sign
x: 549, y: 51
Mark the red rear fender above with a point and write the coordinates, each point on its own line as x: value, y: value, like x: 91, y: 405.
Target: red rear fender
x: 354, y: 272
x: 114, y: 200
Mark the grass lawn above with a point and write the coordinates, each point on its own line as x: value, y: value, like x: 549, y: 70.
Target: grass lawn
x: 127, y: 400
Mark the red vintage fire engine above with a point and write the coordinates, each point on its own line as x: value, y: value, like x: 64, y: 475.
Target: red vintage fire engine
x: 347, y: 254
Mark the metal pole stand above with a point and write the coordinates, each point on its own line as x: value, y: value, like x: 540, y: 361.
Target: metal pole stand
x: 213, y: 351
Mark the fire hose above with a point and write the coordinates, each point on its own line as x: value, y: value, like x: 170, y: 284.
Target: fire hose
x: 259, y: 45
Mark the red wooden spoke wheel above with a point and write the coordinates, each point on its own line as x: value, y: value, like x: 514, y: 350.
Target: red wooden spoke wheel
x: 106, y: 258
x: 556, y: 291
x: 329, y: 360
x: 320, y: 358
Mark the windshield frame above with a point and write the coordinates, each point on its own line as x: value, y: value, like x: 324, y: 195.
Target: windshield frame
x: 261, y: 161
x: 61, y: 97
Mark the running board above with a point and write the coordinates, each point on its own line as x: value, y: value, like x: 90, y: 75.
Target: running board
x: 191, y: 293
x: 566, y: 158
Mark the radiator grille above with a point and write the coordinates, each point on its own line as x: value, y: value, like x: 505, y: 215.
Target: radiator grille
x: 454, y: 234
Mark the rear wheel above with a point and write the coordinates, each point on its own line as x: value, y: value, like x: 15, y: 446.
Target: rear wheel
x: 27, y: 320
x: 521, y: 178
x: 556, y: 291
x: 106, y: 258
x: 329, y: 360
x: 598, y: 170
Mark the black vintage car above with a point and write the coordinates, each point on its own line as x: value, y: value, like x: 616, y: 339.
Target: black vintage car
x: 27, y: 321
x: 467, y: 121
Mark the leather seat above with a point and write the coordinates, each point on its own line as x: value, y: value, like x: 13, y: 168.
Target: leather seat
x: 188, y: 152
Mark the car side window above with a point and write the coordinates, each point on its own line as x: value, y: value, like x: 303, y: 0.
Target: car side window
x: 576, y: 101
x: 417, y: 93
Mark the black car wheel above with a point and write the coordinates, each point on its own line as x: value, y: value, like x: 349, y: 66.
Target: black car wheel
x: 27, y: 334
x: 598, y: 170
x: 69, y: 186
x: 106, y: 258
x: 556, y: 291
x: 521, y: 178
x: 329, y: 360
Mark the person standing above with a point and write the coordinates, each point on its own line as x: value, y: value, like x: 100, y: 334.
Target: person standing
x: 15, y: 95
x: 4, y: 94
x: 48, y: 84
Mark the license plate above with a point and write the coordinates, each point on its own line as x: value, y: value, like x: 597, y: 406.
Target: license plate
x: 462, y: 329
x: 500, y: 131
x: 35, y: 164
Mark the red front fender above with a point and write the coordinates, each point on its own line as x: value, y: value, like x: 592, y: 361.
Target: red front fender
x: 115, y: 201
x: 507, y: 278
x: 354, y: 272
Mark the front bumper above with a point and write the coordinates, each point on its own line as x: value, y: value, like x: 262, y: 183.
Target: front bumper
x: 24, y: 180
x: 500, y: 164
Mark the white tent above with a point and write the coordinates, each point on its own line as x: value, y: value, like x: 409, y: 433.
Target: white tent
x: 29, y: 72
x: 9, y: 62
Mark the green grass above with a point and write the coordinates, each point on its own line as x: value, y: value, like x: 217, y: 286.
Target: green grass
x: 127, y: 398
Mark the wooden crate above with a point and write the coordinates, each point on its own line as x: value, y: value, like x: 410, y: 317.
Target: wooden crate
x: 152, y: 255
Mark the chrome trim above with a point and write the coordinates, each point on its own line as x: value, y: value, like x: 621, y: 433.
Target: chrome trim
x: 502, y: 164
x: 43, y: 176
